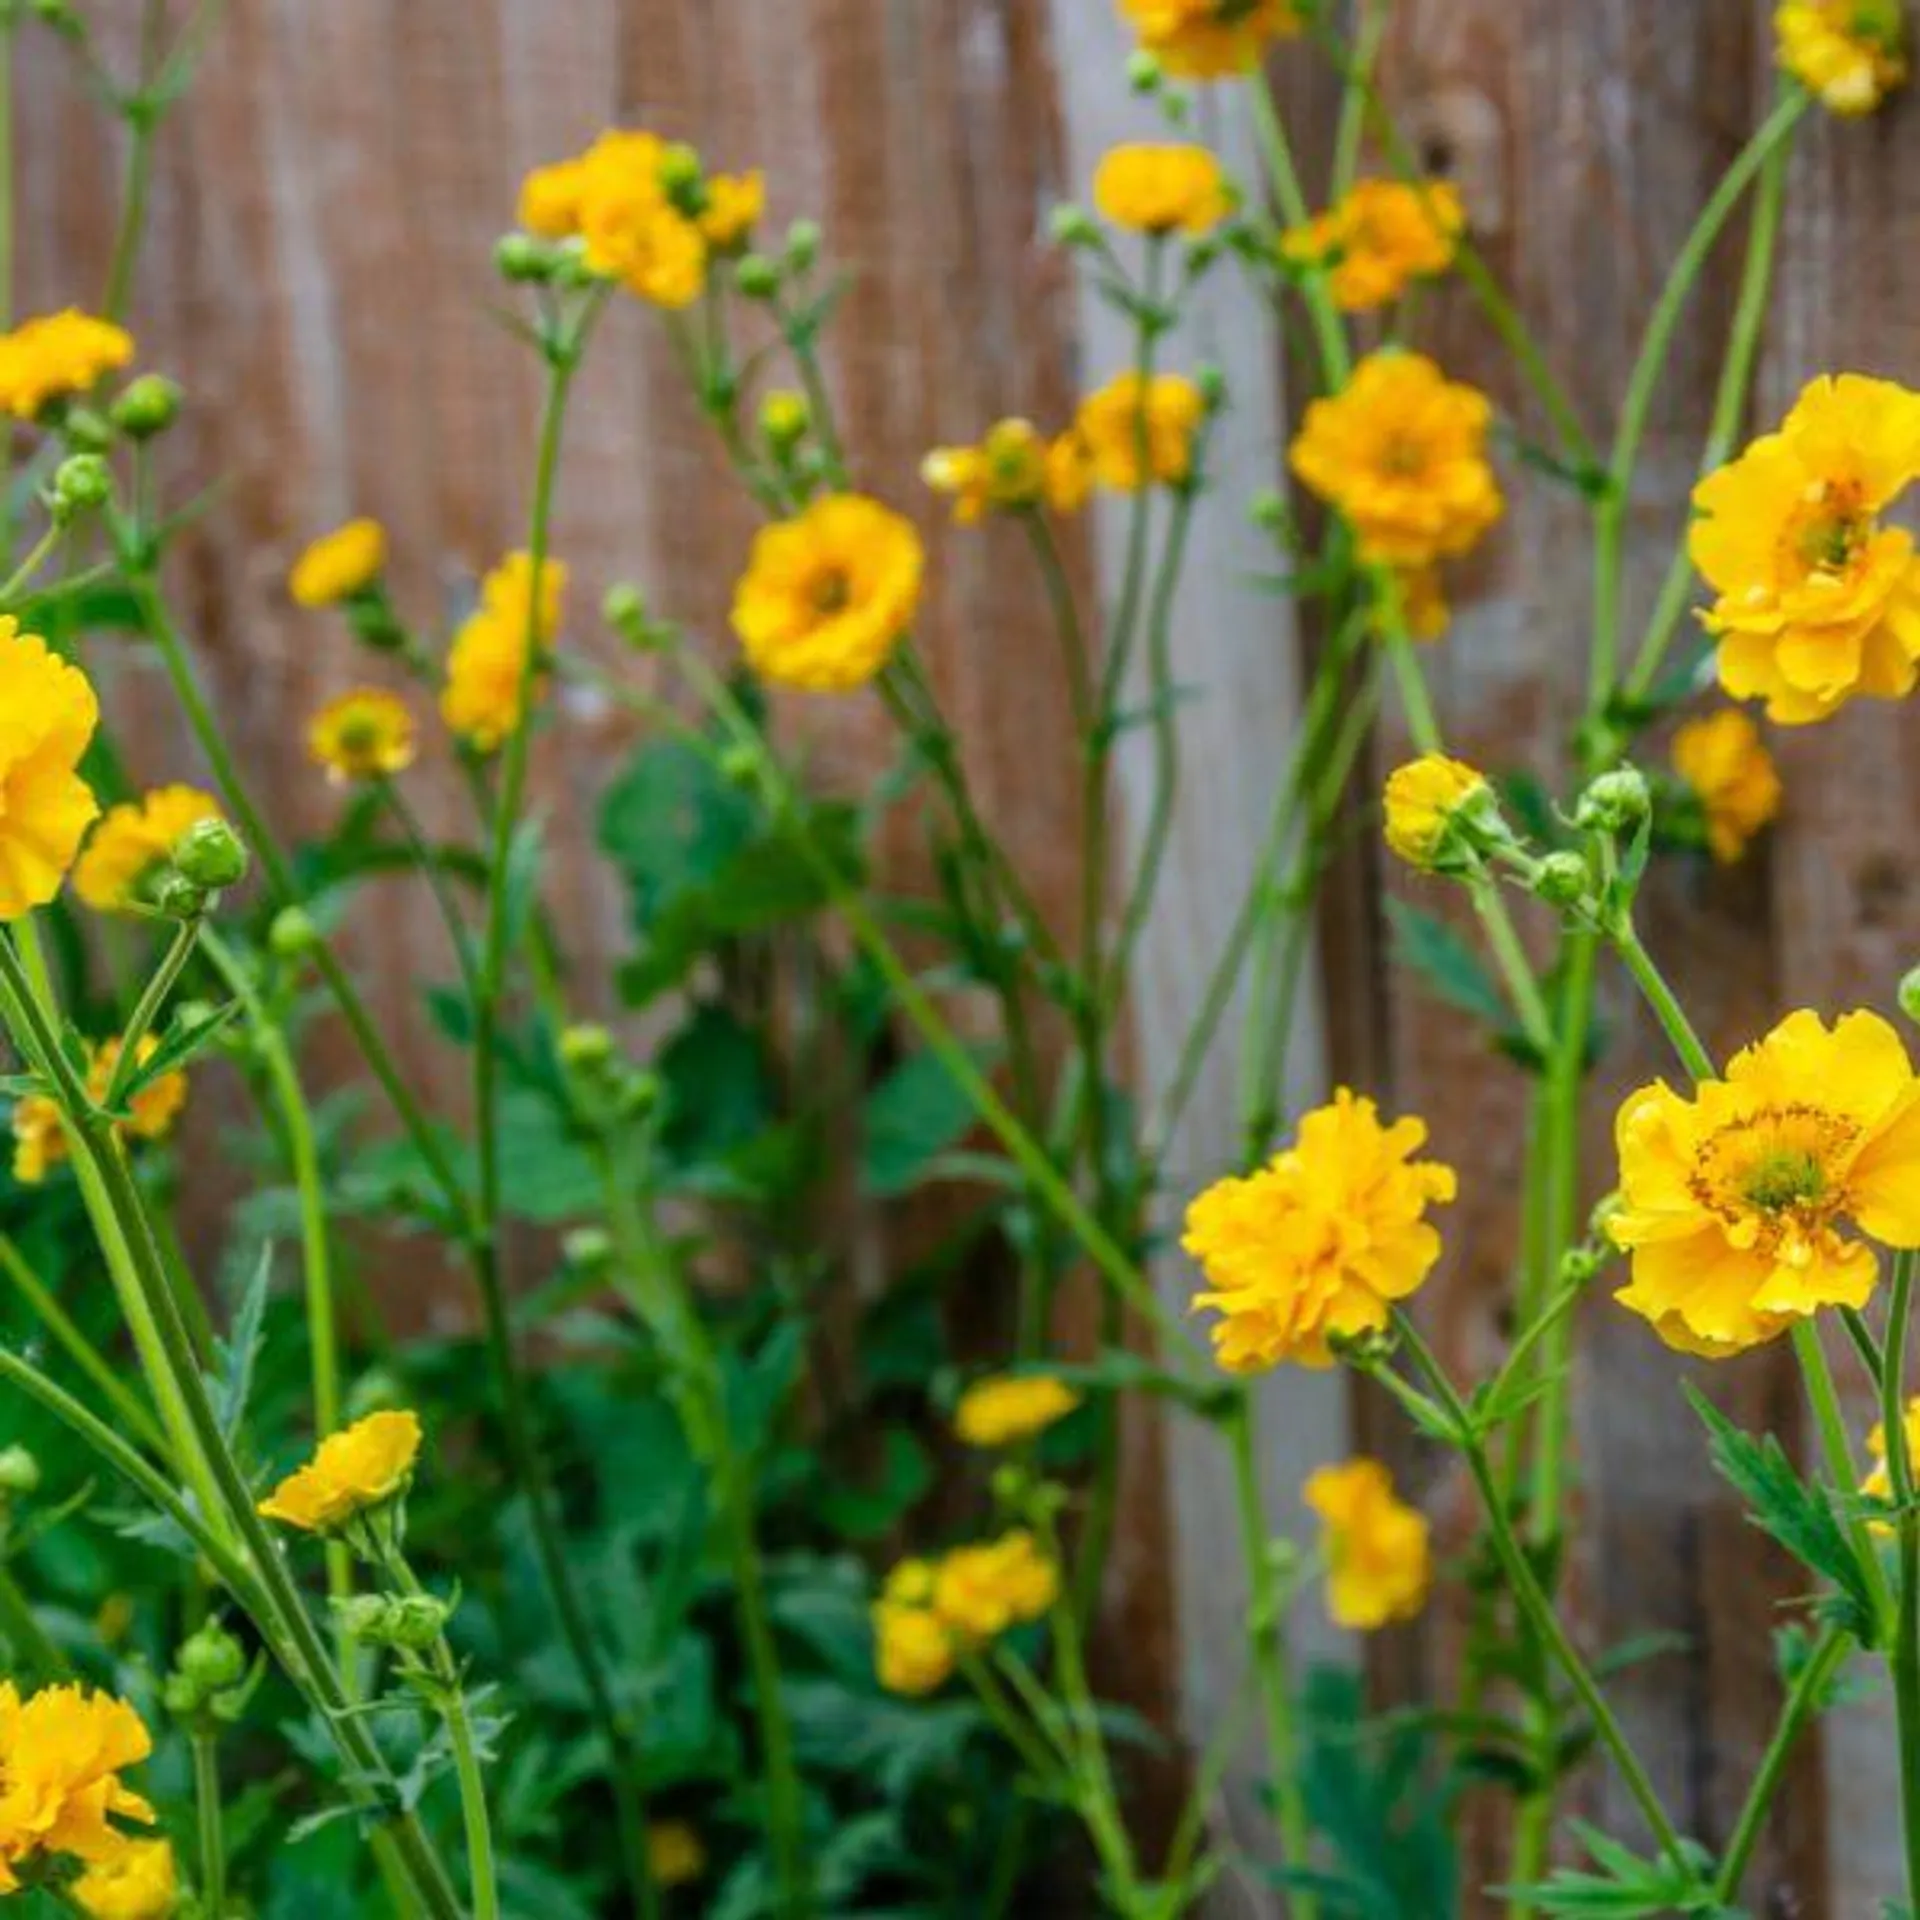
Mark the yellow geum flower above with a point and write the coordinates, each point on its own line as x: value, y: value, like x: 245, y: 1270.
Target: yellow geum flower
x: 1879, y: 1482
x: 133, y: 842
x: 828, y: 595
x: 1421, y: 801
x: 1118, y: 423
x: 676, y: 1855
x: 1818, y: 602
x: 1737, y: 1205
x: 1321, y: 1241
x: 61, y: 1754
x: 1850, y: 54
x: 56, y: 357
x: 486, y: 667
x: 1379, y: 239
x: 981, y: 1591
x: 1070, y: 475
x: 736, y: 204
x: 614, y: 199
x: 1379, y: 1560
x: 1008, y: 470
x: 39, y: 1139
x: 138, y: 1881
x: 366, y: 734
x: 1209, y: 39
x: 1401, y: 452
x: 363, y: 1467
x: 1162, y: 189
x: 1010, y: 1408
x: 339, y: 564
x: 1723, y: 759
x: 913, y: 1652
x: 48, y: 714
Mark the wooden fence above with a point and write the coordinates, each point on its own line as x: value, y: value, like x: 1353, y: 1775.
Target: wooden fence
x: 318, y: 276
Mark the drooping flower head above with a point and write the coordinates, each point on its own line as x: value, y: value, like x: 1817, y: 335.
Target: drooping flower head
x: 1009, y: 1408
x: 48, y: 714
x: 134, y: 842
x: 1209, y: 39
x: 735, y: 205
x: 339, y: 564
x: 676, y: 1855
x: 1850, y: 54
x: 61, y: 1754
x: 137, y: 1881
x: 1401, y: 452
x: 1751, y: 1205
x: 1321, y: 1241
x: 1726, y: 763
x: 1818, y: 603
x: 1379, y: 1560
x: 56, y: 357
x: 828, y: 595
x: 1162, y: 189
x: 363, y: 735
x: 366, y: 1466
x: 1379, y: 239
x: 1136, y: 435
x: 486, y: 667
x: 1423, y: 800
x: 614, y: 199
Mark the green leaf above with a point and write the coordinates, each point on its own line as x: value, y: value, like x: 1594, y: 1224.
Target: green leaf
x: 1626, y: 1887
x: 1432, y: 949
x: 867, y: 1512
x: 234, y: 1356
x: 188, y: 1035
x: 918, y: 1112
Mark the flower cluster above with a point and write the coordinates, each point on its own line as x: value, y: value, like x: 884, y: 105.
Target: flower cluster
x: 1850, y: 54
x: 1381, y: 237
x: 931, y: 1612
x: 58, y: 357
x: 1013, y: 469
x: 1379, y: 1559
x: 487, y: 669
x: 61, y: 1755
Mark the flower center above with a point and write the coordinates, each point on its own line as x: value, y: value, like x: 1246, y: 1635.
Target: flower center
x: 1831, y: 529
x: 1775, y: 1169
x: 360, y: 736
x: 1783, y: 1179
x: 1403, y: 457
x: 830, y: 592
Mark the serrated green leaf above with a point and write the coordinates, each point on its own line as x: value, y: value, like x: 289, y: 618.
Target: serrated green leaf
x: 1426, y: 945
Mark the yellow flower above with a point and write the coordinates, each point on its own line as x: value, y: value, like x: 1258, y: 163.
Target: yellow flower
x: 47, y: 716
x: 1209, y: 39
x: 1162, y: 189
x: 1879, y: 1483
x: 981, y: 1591
x: 61, y: 1752
x: 1850, y: 54
x: 1383, y: 236
x: 1422, y: 799
x: 676, y: 1855
x: 339, y: 564
x: 1007, y: 470
x: 486, y: 666
x: 136, y: 1882
x: 913, y: 1652
x: 1117, y: 422
x: 55, y: 357
x: 1010, y: 1408
x: 133, y: 842
x: 1423, y: 602
x: 39, y: 1140
x: 1069, y: 471
x: 829, y: 595
x: 736, y: 203
x: 1818, y: 602
x: 1723, y: 759
x: 551, y: 197
x: 613, y: 198
x: 1401, y: 451
x: 363, y: 735
x: 1379, y: 1562
x: 1733, y: 1203
x: 365, y: 1466
x: 1321, y: 1241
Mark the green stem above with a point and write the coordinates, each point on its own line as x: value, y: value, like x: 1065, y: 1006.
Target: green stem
x: 36, y: 557
x: 1662, y: 1000
x: 213, y: 1844
x: 1336, y: 357
x: 35, y: 1657
x: 1905, y: 1653
x: 1415, y: 699
x: 1356, y: 90
x: 1836, y: 1448
x: 146, y: 1010
x: 136, y: 180
x: 1503, y: 938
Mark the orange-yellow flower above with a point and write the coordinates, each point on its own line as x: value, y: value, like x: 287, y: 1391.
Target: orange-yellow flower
x: 133, y: 842
x: 1320, y: 1242
x: 913, y: 1652
x: 486, y: 667
x: 1723, y: 759
x: 1879, y: 1482
x: 1010, y: 1408
x: 1162, y: 189
x: 1740, y: 1205
x: 1209, y: 39
x: 1401, y: 451
x: 828, y: 595
x: 47, y: 717
x: 1069, y: 471
x: 736, y: 203
x: 56, y: 357
x: 1379, y: 239
x: 1007, y: 471
x: 981, y: 1591
x: 676, y: 1855
x: 614, y: 199
x: 1818, y: 603
x: 361, y: 1468
x: 1122, y: 422
x: 1423, y: 800
x: 363, y: 735
x: 137, y: 1881
x: 1850, y: 54
x: 339, y: 564
x: 61, y: 1754
x: 1423, y: 608
x: 1379, y: 1561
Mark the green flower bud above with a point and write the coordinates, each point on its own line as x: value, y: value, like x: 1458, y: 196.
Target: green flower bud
x: 1616, y: 802
x: 740, y: 765
x: 640, y: 1096
x: 293, y: 935
x: 1144, y: 72
x: 784, y: 420
x: 82, y: 483
x: 1562, y: 880
x: 149, y: 405
x: 1910, y: 996
x: 757, y: 277
x: 1211, y: 383
x: 409, y: 1623
x: 803, y: 244
x: 1268, y: 510
x: 19, y: 1472
x: 587, y: 1250
x: 586, y: 1048
x: 211, y: 855
x: 683, y: 179
x: 86, y: 431
x: 524, y: 259
x: 213, y: 1660
x: 1073, y: 227
x: 625, y: 611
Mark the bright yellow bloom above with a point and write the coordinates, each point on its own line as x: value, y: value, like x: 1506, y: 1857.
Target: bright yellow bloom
x: 1069, y: 471
x: 1723, y: 759
x: 486, y: 668
x: 56, y: 357
x: 364, y: 1466
x: 1733, y: 1203
x: 61, y: 1752
x: 614, y: 199
x: 1209, y: 39
x: 339, y: 564
x: 1401, y: 451
x: 1010, y: 1408
x: 1379, y: 1561
x: 676, y: 1855
x: 1850, y: 54
x: 913, y: 1652
x: 1321, y: 1241
x: 1879, y: 1483
x: 1818, y: 602
x: 363, y: 735
x: 736, y: 203
x: 138, y: 1881
x: 1007, y: 470
x: 1162, y: 189
x: 39, y: 1139
x: 1421, y: 801
x: 1117, y: 422
x: 47, y: 716
x: 1383, y: 235
x: 133, y: 841
x: 981, y: 1591
x: 828, y: 596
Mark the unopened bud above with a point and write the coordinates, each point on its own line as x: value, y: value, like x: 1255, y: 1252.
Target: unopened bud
x: 1269, y: 512
x: 1910, y: 996
x: 85, y: 430
x: 625, y: 611
x: 1562, y: 879
x: 211, y: 855
x: 586, y: 1048
x: 1212, y: 385
x: 82, y: 483
x: 409, y: 1622
x: 523, y: 258
x: 293, y: 935
x: 1144, y: 72
x: 1616, y: 802
x: 784, y: 419
x: 147, y: 406
x: 376, y: 1391
x: 588, y: 1250
x: 682, y: 178
x: 213, y: 1660
x: 757, y: 277
x: 1073, y: 226
x: 803, y: 244
x: 19, y: 1471
x: 740, y: 765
